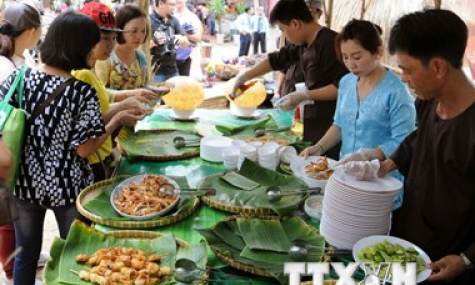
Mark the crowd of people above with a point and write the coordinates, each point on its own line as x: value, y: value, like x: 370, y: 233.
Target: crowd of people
x: 93, y: 74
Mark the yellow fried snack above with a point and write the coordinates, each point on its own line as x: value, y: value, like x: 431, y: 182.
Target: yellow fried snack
x: 249, y: 95
x: 187, y: 94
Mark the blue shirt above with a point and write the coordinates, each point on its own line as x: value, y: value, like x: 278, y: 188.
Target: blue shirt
x: 382, y: 119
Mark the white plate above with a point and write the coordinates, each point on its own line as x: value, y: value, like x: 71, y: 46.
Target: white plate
x: 137, y: 179
x: 371, y: 240
x: 382, y: 184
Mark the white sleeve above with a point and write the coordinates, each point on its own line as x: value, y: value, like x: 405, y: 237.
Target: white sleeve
x: 7, y: 68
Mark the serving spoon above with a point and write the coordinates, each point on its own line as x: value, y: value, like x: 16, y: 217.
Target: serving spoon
x: 262, y: 132
x: 274, y: 194
x: 180, y: 142
x: 301, y: 249
x: 171, y: 190
x: 184, y: 272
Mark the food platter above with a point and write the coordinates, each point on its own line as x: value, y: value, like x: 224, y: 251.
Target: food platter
x: 63, y: 266
x: 372, y: 240
x: 141, y: 195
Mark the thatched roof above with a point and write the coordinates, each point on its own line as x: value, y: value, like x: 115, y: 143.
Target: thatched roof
x: 386, y: 12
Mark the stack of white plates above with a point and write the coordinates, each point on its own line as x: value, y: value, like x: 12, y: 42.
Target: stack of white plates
x: 355, y: 209
x: 212, y: 147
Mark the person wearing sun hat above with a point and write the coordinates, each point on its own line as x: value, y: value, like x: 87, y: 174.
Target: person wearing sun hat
x: 101, y: 160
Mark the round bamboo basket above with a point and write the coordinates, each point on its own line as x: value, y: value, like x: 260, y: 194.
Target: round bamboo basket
x: 137, y: 234
x: 96, y: 189
x: 249, y: 268
x: 247, y: 211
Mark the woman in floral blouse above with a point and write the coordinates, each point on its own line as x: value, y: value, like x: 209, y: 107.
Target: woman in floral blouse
x: 127, y: 66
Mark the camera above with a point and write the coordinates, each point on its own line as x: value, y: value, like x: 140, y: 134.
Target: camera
x: 168, y: 47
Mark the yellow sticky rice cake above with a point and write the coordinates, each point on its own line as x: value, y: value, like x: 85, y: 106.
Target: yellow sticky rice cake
x: 187, y: 94
x: 251, y: 97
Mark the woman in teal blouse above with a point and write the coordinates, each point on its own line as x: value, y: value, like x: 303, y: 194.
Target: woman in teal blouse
x: 375, y: 110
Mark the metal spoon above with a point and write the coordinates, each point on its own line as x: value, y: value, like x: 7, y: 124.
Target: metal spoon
x: 184, y: 272
x: 179, y: 142
x: 301, y: 249
x: 261, y: 131
x: 170, y: 190
x: 274, y: 193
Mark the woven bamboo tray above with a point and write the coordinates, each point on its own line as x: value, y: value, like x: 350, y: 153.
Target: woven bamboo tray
x: 136, y: 234
x: 96, y: 189
x: 246, y: 211
x: 249, y: 268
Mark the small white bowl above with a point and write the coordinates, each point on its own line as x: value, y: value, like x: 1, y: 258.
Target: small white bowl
x: 241, y: 111
x: 183, y: 114
x: 313, y: 206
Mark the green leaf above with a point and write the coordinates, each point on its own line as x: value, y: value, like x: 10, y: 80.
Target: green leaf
x: 228, y: 130
x: 227, y: 194
x: 271, y: 262
x: 230, y: 234
x: 84, y: 240
x: 264, y: 234
x: 240, y: 181
x: 144, y: 143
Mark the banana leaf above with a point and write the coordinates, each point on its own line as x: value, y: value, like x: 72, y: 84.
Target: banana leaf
x: 240, y: 181
x: 153, y: 145
x: 271, y: 262
x: 264, y: 235
x: 250, y: 127
x: 101, y: 205
x: 85, y: 240
x: 161, y: 120
x: 229, y: 195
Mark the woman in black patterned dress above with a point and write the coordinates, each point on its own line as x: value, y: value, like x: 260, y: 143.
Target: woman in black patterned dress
x: 53, y: 166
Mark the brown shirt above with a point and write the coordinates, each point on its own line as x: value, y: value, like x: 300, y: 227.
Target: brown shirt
x: 438, y: 161
x: 320, y: 68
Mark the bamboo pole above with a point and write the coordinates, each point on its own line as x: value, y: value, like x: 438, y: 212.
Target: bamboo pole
x: 363, y: 9
x: 328, y: 11
x: 145, y: 6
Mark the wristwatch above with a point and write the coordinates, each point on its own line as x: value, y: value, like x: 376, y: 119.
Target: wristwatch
x: 467, y: 261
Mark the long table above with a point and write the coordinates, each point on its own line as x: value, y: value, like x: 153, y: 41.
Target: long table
x: 194, y: 169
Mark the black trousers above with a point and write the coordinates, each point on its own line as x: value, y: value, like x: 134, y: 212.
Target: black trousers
x: 259, y: 38
x: 244, y: 44
x: 184, y: 66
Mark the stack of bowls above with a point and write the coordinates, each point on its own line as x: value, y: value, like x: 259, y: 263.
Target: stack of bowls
x: 212, y: 147
x: 247, y: 151
x: 230, y: 157
x: 269, y: 155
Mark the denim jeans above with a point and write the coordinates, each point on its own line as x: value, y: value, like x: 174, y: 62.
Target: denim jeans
x: 29, y: 235
x: 160, y: 77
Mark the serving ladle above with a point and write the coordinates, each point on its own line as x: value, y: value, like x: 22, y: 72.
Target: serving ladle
x: 170, y: 190
x: 262, y: 132
x: 274, y: 194
x: 184, y: 272
x: 301, y: 249
x: 180, y: 142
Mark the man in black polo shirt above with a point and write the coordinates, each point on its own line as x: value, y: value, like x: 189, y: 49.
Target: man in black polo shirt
x: 166, y: 32
x: 313, y: 47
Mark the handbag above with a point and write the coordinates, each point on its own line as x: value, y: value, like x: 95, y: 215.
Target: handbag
x: 12, y: 125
